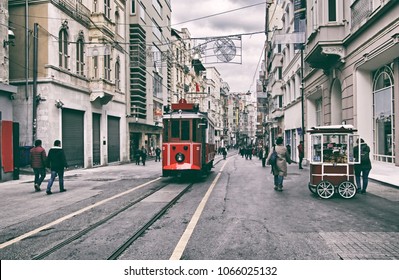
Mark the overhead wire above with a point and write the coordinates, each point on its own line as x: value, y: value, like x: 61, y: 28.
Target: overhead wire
x: 218, y: 14
x: 166, y: 41
x: 263, y: 49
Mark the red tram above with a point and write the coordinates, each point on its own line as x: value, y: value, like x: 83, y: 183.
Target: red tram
x: 188, y: 140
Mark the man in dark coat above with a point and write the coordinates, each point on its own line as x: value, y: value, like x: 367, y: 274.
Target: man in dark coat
x: 137, y: 156
x: 143, y: 154
x: 157, y: 154
x: 363, y: 168
x: 56, y: 161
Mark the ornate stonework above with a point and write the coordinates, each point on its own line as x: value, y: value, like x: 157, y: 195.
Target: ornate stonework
x: 335, y: 50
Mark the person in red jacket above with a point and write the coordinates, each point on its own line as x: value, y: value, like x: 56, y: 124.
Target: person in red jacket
x: 301, y: 154
x: 38, y: 163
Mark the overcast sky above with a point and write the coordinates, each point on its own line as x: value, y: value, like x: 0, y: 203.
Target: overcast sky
x: 240, y: 77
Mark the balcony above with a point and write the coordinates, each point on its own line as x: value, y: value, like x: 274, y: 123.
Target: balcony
x: 325, y: 46
x: 101, y: 90
x: 103, y: 24
x: 75, y: 9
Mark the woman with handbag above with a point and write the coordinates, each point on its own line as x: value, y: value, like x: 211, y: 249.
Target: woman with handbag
x: 279, y: 167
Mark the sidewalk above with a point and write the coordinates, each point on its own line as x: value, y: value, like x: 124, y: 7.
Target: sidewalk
x: 385, y: 173
x: 26, y: 173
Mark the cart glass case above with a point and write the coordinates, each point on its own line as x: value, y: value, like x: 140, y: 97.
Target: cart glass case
x: 333, y: 146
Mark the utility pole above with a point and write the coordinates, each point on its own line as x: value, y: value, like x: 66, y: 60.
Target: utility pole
x: 302, y: 97
x: 26, y: 49
x: 35, y: 96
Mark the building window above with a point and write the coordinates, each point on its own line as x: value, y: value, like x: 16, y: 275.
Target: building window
x: 156, y: 30
x: 383, y: 115
x: 279, y: 73
x: 319, y: 111
x: 107, y: 67
x: 95, y: 67
x: 80, y: 56
x: 157, y: 85
x: 142, y: 12
x: 332, y: 10
x: 157, y: 6
x: 117, y: 22
x: 63, y: 48
x: 107, y: 9
x: 314, y: 15
x: 133, y: 7
x: 117, y: 74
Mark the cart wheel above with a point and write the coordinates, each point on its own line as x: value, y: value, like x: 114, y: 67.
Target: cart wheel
x: 325, y: 189
x: 347, y: 189
x: 312, y: 188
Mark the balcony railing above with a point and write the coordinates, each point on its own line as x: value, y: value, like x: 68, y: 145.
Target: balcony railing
x: 360, y: 10
x: 74, y: 8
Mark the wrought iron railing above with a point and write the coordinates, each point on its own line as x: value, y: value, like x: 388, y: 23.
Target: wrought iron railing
x: 360, y: 10
x: 74, y: 8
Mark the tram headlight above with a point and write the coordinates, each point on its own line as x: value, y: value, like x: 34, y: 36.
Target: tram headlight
x: 179, y: 157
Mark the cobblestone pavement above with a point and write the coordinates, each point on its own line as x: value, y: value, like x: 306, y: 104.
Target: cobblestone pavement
x: 363, y: 245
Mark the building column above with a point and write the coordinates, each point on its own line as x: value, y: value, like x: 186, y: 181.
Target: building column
x: 396, y: 109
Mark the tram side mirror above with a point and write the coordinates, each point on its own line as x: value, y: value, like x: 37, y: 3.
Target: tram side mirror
x: 203, y: 123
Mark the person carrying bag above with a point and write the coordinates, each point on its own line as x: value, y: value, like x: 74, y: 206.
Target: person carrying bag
x: 278, y: 159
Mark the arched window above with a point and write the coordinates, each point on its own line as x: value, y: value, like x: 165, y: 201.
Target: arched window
x: 117, y: 74
x: 383, y: 114
x: 63, y: 46
x: 80, y: 55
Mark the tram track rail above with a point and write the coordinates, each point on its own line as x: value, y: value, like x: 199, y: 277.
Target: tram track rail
x: 109, y: 217
x: 116, y: 254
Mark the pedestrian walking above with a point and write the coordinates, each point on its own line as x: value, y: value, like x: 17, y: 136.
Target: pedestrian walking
x: 301, y: 154
x: 362, y: 170
x: 265, y: 153
x: 143, y: 154
x: 248, y: 153
x: 279, y: 169
x: 224, y: 152
x: 157, y: 154
x: 242, y: 151
x: 137, y: 156
x: 56, y: 161
x: 38, y: 163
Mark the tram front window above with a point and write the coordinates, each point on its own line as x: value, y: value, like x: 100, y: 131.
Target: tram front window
x: 175, y: 133
x: 180, y: 129
x: 185, y: 130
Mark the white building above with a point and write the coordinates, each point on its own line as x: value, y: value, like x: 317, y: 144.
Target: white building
x: 9, y: 138
x: 350, y: 69
x: 68, y: 64
x: 352, y: 48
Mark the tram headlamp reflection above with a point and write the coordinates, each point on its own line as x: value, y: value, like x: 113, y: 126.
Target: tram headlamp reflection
x: 179, y: 157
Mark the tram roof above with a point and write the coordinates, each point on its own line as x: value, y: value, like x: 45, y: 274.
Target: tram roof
x: 185, y: 115
x: 347, y: 128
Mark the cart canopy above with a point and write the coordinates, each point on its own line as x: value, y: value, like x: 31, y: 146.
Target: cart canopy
x: 333, y: 129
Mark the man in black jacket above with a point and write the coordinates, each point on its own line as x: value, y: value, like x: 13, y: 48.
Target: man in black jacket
x: 56, y: 162
x: 362, y: 170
